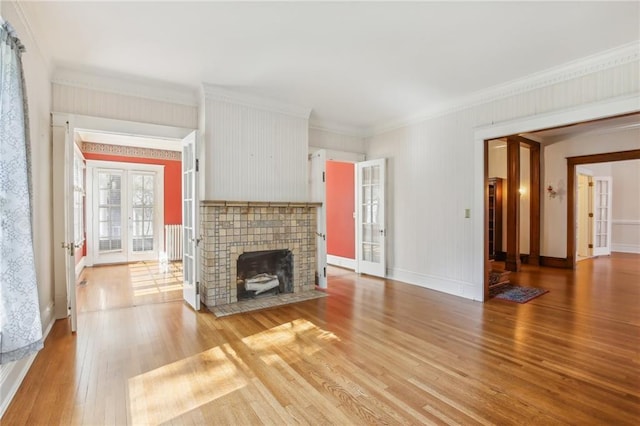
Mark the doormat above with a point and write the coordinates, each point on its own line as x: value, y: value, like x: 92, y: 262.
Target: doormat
x: 515, y: 293
x: 265, y: 303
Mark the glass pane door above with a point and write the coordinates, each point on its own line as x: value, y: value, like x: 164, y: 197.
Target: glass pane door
x: 110, y: 218
x: 142, y: 211
x: 371, y: 224
x: 602, y: 216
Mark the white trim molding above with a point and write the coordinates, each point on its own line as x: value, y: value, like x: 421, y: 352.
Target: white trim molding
x: 337, y: 128
x: 343, y: 262
x: 127, y: 86
x: 222, y: 94
x: 615, y: 57
x: 625, y: 248
x: 12, y: 374
x: 431, y: 282
x: 625, y: 222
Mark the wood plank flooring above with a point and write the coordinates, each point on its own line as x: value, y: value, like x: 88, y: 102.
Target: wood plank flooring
x: 373, y: 352
x: 120, y: 286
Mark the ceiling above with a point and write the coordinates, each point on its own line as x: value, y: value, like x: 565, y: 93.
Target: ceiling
x: 358, y: 64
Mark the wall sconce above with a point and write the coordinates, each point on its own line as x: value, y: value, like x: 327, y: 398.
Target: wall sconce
x: 522, y: 190
x: 552, y: 192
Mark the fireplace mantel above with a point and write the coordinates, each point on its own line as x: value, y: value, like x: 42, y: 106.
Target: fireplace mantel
x: 230, y: 228
x: 229, y: 203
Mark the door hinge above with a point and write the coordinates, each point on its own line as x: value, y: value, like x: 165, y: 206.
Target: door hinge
x: 325, y: 272
x: 590, y: 183
x: 590, y: 214
x: 197, y: 165
x: 323, y: 176
x: 591, y: 246
x: 197, y: 287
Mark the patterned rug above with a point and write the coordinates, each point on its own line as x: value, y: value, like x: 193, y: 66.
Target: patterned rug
x: 515, y: 293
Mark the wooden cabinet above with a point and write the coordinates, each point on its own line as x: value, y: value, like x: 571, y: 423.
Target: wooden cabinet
x: 495, y: 218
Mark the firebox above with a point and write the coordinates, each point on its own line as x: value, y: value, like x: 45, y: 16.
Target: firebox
x: 262, y: 273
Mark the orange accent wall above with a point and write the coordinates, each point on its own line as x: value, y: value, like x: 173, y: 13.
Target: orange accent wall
x: 340, y: 186
x: 172, y: 182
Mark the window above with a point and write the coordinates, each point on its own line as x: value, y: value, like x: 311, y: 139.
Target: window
x: 78, y: 198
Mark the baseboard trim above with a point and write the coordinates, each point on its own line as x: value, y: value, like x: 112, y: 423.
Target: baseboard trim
x: 12, y: 374
x: 555, y: 262
x: 463, y: 289
x: 626, y: 248
x: 343, y: 262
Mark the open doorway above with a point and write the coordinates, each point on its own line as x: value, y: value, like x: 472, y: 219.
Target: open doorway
x: 560, y: 192
x: 127, y: 152
x: 132, y: 212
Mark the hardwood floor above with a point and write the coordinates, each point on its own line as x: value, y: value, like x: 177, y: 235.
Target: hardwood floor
x: 119, y: 286
x: 373, y: 352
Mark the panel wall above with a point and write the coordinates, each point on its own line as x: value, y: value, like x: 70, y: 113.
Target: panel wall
x: 254, y: 154
x: 431, y: 179
x: 96, y: 103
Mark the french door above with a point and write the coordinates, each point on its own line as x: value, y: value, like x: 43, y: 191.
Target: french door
x: 370, y: 220
x: 190, y: 221
x: 602, y: 216
x: 126, y: 212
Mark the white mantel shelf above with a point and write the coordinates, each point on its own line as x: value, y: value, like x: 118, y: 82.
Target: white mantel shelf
x: 226, y: 203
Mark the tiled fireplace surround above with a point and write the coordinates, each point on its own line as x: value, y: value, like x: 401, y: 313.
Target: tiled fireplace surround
x: 230, y: 228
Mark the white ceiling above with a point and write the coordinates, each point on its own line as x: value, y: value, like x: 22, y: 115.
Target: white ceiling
x: 354, y: 63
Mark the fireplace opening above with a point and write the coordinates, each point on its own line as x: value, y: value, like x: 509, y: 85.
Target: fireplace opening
x: 264, y: 273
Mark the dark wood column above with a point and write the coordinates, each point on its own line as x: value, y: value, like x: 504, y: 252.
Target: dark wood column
x: 512, y: 262
x: 535, y: 191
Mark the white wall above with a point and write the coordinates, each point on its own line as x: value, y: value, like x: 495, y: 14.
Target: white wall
x: 255, y: 149
x: 327, y: 139
x: 625, y: 232
x: 434, y: 174
x: 554, y: 239
x: 36, y: 70
x: 108, y: 104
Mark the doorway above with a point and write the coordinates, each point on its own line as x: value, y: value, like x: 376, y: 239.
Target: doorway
x: 70, y: 131
x: 125, y: 212
x: 556, y: 190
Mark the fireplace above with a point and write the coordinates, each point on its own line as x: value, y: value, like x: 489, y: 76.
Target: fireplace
x: 263, y: 273
x: 231, y: 229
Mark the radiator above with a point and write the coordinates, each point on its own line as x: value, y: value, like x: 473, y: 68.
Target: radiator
x: 173, y: 241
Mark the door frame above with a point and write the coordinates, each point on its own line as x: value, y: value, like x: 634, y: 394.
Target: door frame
x: 572, y: 187
x: 582, y: 113
x: 98, y: 124
x: 318, y: 193
x: 94, y: 165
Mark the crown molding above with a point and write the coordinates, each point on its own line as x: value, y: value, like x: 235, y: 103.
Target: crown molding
x: 618, y: 56
x: 22, y: 9
x: 338, y: 128
x: 126, y: 86
x: 222, y: 94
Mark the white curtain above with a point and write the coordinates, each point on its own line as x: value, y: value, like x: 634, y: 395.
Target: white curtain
x: 20, y: 323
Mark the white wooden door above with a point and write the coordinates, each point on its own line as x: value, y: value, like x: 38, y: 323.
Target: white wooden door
x: 318, y: 194
x: 125, y: 211
x: 370, y: 221
x: 602, y: 216
x: 63, y: 217
x: 190, y: 217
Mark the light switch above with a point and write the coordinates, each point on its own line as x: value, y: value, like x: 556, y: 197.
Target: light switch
x: 467, y: 213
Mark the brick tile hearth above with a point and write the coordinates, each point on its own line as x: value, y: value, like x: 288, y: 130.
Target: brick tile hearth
x: 230, y: 229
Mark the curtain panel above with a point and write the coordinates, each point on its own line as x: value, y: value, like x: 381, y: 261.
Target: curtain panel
x: 20, y: 322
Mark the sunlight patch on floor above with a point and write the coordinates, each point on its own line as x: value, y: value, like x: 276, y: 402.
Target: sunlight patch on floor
x: 168, y: 392
x: 174, y: 389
